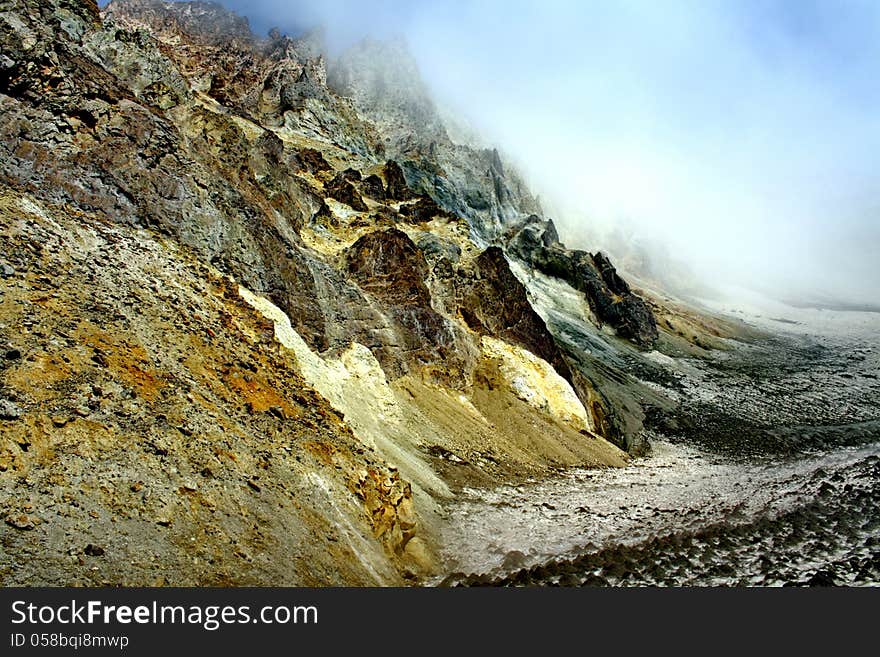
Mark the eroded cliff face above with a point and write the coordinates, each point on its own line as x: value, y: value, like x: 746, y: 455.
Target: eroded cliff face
x: 268, y: 324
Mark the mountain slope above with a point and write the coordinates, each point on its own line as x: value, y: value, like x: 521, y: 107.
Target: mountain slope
x: 263, y: 321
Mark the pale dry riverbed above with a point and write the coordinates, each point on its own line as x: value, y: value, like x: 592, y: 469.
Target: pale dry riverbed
x: 768, y: 477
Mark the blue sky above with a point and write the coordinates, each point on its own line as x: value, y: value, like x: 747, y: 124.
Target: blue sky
x: 743, y: 135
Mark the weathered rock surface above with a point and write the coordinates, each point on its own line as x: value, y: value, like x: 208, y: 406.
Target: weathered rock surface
x: 609, y: 296
x: 342, y: 190
x: 395, y: 182
x: 390, y: 268
x: 494, y: 302
x: 383, y: 83
x: 156, y: 417
x: 422, y: 210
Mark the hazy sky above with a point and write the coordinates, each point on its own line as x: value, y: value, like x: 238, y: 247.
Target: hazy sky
x: 744, y: 135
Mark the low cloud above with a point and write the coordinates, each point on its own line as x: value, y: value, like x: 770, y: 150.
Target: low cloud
x: 743, y: 137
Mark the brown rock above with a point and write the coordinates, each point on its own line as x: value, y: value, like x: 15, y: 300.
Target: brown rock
x: 423, y: 210
x: 94, y: 550
x: 496, y: 303
x: 390, y: 268
x: 395, y: 182
x: 341, y: 189
x: 373, y: 187
x: 21, y: 521
x: 312, y: 160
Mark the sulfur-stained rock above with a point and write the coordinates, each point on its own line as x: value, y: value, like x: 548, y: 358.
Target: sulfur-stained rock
x: 212, y: 364
x: 494, y: 302
x: 22, y: 521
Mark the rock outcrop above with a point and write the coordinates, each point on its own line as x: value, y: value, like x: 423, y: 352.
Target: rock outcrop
x: 391, y: 269
x: 395, y: 182
x: 494, y: 302
x: 610, y: 297
x: 342, y: 190
x: 383, y: 83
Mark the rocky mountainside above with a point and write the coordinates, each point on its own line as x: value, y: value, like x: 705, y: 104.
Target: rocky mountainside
x: 262, y: 317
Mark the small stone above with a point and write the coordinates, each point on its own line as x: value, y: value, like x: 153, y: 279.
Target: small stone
x: 59, y: 420
x: 137, y: 486
x: 164, y: 521
x: 822, y: 578
x: 8, y: 410
x: 6, y: 270
x: 21, y: 521
x: 94, y: 550
x: 82, y: 411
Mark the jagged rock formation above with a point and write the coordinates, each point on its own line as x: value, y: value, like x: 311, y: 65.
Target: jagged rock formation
x: 390, y: 268
x: 383, y: 82
x: 268, y: 307
x: 494, y: 302
x: 396, y: 186
x: 341, y: 189
x: 609, y: 296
